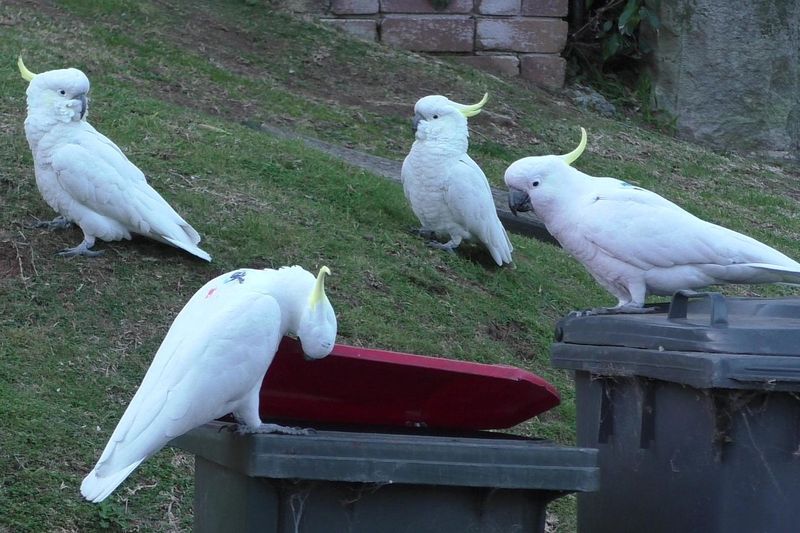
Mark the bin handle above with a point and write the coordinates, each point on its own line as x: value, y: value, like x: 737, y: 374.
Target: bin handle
x: 679, y: 306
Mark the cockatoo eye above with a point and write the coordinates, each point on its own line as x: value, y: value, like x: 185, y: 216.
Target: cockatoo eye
x: 62, y: 92
x: 435, y: 116
x: 535, y: 183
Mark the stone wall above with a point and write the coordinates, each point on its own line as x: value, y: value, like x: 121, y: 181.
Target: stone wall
x: 508, y: 37
x: 729, y: 72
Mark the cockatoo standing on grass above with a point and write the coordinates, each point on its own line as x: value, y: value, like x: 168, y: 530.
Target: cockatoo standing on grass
x: 85, y: 177
x: 447, y: 190
x: 212, y: 362
x: 633, y: 241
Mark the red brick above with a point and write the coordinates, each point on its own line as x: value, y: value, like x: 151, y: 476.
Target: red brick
x: 424, y: 6
x: 355, y: 7
x: 546, y: 36
x: 366, y: 29
x: 498, y: 7
x: 545, y: 8
x: 506, y: 65
x: 429, y: 33
x: 546, y: 70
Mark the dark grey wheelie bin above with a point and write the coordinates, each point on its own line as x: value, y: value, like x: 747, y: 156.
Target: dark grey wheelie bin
x: 360, y: 482
x: 695, y: 413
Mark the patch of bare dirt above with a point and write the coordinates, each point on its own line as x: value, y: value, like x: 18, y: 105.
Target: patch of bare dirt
x: 16, y: 259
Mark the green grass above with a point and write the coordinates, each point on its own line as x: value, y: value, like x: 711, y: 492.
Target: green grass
x: 78, y: 335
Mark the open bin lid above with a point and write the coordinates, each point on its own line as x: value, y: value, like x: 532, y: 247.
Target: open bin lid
x: 701, y: 339
x: 374, y: 387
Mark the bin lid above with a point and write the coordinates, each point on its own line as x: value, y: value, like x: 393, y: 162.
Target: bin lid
x: 491, y: 460
x: 360, y: 386
x: 701, y: 339
x: 696, y: 322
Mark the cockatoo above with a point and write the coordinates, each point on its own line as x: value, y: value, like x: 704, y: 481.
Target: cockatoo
x: 85, y: 177
x: 633, y: 241
x: 212, y: 362
x: 447, y: 190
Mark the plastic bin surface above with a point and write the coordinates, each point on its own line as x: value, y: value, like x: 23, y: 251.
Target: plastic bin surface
x: 695, y: 413
x: 361, y: 386
x: 366, y: 482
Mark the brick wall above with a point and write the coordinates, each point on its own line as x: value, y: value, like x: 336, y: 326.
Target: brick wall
x: 508, y: 37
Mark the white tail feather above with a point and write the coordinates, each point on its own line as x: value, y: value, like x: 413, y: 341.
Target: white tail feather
x: 97, y: 489
x: 191, y: 248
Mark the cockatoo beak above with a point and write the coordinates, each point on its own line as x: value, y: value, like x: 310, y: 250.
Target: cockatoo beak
x: 318, y: 294
x: 84, y: 105
x: 415, y: 122
x: 518, y: 201
x: 576, y: 153
x: 474, y: 109
x: 27, y: 75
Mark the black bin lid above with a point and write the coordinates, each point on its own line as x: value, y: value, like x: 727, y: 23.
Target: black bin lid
x: 703, y: 340
x: 696, y: 322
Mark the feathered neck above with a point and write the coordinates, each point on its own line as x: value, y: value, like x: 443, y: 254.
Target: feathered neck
x: 291, y: 287
x: 449, y: 142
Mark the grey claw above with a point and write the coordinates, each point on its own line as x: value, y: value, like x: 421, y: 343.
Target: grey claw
x: 80, y: 250
x: 59, y: 222
x: 243, y: 429
x: 440, y: 246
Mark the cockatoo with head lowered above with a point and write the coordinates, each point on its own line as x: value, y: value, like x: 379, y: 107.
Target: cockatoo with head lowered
x: 633, y: 241
x: 212, y: 362
x: 447, y: 190
x: 85, y: 177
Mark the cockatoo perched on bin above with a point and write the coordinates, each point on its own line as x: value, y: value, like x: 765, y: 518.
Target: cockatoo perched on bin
x: 212, y: 362
x: 633, y: 241
x: 85, y: 177
x: 447, y: 190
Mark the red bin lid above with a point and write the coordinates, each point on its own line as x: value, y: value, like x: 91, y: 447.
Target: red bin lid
x: 375, y: 387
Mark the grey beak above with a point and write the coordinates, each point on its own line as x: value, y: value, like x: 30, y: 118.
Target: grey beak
x: 84, y: 105
x: 518, y: 201
x: 415, y: 122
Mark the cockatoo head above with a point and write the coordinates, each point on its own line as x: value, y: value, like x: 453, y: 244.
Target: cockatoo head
x: 439, y: 118
x: 533, y: 182
x: 61, y: 94
x: 317, y: 327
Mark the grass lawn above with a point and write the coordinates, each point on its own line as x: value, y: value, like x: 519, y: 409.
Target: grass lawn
x: 174, y: 86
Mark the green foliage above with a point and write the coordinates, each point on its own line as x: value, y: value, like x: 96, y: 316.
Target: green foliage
x: 614, y: 25
x: 112, y: 516
x: 607, y: 49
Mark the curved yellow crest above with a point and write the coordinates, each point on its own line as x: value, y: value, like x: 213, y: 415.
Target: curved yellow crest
x: 576, y: 153
x: 474, y: 109
x: 319, y: 288
x: 27, y: 75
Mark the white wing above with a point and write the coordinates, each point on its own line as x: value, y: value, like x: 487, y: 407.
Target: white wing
x: 643, y: 229
x: 469, y: 198
x: 109, y: 192
x: 216, y: 351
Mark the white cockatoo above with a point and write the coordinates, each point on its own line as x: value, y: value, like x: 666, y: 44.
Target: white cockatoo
x: 447, y: 190
x: 633, y: 241
x: 212, y: 362
x: 85, y: 177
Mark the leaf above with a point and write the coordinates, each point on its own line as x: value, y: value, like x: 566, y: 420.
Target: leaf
x: 650, y: 16
x: 606, y: 25
x: 628, y: 19
x: 611, y: 45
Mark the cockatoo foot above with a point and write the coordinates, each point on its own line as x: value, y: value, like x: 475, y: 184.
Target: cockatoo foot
x: 621, y: 310
x: 81, y: 249
x: 425, y: 233
x: 447, y: 247
x: 60, y: 222
x: 243, y: 429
